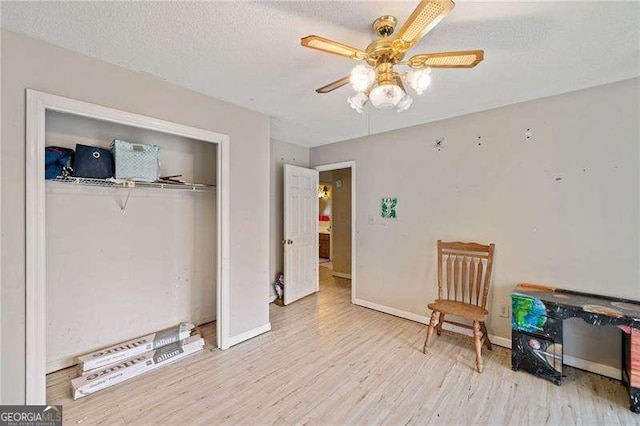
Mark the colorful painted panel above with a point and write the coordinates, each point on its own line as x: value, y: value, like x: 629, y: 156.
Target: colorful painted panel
x: 634, y: 358
x: 594, y: 309
x: 539, y: 356
x: 528, y: 313
x: 631, y: 364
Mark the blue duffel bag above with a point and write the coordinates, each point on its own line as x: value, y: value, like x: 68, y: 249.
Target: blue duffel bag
x: 57, y: 162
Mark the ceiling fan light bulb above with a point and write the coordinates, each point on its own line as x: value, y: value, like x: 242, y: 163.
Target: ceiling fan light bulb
x: 405, y: 103
x: 357, y: 101
x: 362, y: 77
x: 419, y: 79
x: 386, y: 96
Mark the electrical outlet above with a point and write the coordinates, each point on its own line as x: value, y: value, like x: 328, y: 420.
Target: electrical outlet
x: 504, y: 311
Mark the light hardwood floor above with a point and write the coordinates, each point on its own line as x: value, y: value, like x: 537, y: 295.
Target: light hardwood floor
x: 329, y: 362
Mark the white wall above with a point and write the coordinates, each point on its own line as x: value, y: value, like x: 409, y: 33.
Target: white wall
x: 561, y: 207
x: 134, y: 273
x: 29, y: 63
x: 281, y: 153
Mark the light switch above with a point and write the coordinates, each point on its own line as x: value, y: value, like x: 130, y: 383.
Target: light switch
x: 372, y: 219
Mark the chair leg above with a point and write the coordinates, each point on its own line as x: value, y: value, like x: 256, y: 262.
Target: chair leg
x: 485, y: 335
x: 432, y: 323
x: 478, y: 344
x: 439, y: 326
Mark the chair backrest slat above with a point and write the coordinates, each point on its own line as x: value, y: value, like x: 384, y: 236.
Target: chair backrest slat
x: 487, y: 279
x: 463, y: 284
x: 449, y: 273
x: 479, y: 280
x: 456, y: 275
x: 466, y: 268
x: 439, y: 269
x: 472, y: 277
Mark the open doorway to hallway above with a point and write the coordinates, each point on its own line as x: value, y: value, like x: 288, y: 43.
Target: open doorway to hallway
x: 335, y: 227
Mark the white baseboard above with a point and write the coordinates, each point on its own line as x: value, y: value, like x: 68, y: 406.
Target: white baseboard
x: 205, y: 320
x: 341, y: 275
x: 582, y: 364
x: 393, y: 311
x: 594, y: 367
x: 501, y: 341
x: 67, y: 362
x: 61, y: 363
x: 239, y: 338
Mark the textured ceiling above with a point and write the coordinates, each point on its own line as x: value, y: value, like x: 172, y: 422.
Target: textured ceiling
x: 249, y: 54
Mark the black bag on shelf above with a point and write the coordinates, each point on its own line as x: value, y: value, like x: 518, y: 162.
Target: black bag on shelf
x: 92, y: 162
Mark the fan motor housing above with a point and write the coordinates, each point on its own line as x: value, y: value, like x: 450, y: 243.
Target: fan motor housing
x: 384, y: 25
x: 381, y: 51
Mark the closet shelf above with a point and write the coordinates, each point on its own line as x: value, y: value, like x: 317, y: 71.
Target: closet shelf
x: 112, y: 183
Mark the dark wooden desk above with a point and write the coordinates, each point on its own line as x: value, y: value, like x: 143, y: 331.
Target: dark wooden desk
x: 536, y: 319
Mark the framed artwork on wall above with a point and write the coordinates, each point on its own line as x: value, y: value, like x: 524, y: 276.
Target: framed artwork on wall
x: 389, y: 208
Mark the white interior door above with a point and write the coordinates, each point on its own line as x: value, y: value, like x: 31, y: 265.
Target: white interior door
x: 300, y: 232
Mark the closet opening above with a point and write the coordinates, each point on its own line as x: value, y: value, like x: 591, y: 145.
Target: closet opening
x: 108, y: 262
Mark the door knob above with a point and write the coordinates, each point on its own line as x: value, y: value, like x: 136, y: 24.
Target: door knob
x: 289, y: 241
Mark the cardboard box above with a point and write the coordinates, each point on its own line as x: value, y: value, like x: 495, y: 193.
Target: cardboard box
x: 134, y: 347
x: 110, y: 375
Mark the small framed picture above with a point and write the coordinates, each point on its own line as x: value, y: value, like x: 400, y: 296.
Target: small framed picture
x: 389, y: 208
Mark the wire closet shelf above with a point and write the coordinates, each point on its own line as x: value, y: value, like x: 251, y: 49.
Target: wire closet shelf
x: 130, y: 185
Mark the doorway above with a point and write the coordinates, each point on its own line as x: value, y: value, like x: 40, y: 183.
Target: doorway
x: 336, y: 226
x: 325, y: 213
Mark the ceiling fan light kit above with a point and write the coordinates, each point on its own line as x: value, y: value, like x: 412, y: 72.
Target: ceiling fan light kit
x: 362, y: 77
x: 358, y: 101
x: 386, y: 96
x: 375, y: 79
x: 405, y: 103
x: 419, y: 79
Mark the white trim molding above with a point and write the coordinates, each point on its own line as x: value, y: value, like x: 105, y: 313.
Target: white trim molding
x: 392, y: 311
x: 67, y: 362
x: 348, y: 165
x: 239, y: 338
x: 37, y: 105
x: 582, y: 364
x: 341, y: 275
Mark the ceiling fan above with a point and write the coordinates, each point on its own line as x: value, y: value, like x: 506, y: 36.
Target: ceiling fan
x: 375, y: 79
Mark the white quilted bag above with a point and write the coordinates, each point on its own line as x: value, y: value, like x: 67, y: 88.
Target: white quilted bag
x: 136, y: 161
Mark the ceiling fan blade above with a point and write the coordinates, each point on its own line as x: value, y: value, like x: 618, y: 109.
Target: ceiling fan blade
x: 334, y: 85
x: 330, y: 46
x: 426, y: 16
x: 464, y: 59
